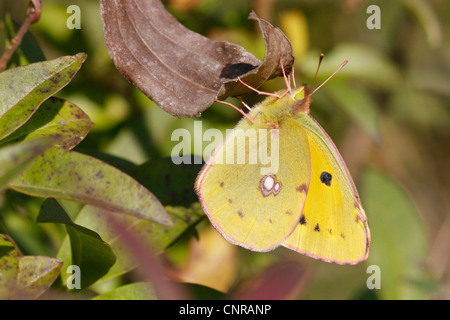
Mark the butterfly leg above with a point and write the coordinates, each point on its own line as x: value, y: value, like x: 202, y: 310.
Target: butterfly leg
x: 293, y: 77
x: 258, y: 91
x: 287, y: 79
x: 236, y: 108
x: 248, y: 108
x: 245, y: 105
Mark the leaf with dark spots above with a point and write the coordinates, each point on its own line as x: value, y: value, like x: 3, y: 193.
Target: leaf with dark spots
x: 23, y: 89
x: 89, y: 252
x: 71, y: 175
x: 55, y: 117
x: 172, y: 185
x: 9, y: 269
x: 183, y: 71
x: 36, y: 275
x: 7, y: 246
x: 15, y: 157
x: 25, y: 277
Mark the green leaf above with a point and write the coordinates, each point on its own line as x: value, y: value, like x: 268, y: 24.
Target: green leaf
x: 14, y: 158
x: 427, y: 18
x: 407, y: 105
x: 52, y: 211
x: 174, y: 185
x: 133, y: 291
x: 200, y: 292
x: 9, y: 270
x: 36, y: 274
x: 89, y: 252
x: 55, y: 117
x: 25, y: 277
x: 23, y: 89
x: 70, y: 175
x: 399, y: 242
x: 117, y: 162
x: 155, y: 236
x: 6, y: 245
x: 359, y: 105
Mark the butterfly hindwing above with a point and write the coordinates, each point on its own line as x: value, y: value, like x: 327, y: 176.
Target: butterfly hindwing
x: 333, y: 226
x: 251, y: 208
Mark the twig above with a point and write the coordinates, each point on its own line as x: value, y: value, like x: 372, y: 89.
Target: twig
x: 32, y: 16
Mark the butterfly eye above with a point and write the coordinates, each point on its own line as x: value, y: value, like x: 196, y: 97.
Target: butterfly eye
x: 325, y: 178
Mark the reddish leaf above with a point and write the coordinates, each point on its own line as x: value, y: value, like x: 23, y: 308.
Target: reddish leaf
x: 284, y: 280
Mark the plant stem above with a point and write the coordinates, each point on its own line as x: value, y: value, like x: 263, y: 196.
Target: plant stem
x: 33, y: 13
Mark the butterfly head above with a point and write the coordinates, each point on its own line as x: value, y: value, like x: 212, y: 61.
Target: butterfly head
x: 302, y: 94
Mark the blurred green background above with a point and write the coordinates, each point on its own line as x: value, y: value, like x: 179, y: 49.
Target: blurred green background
x: 387, y: 111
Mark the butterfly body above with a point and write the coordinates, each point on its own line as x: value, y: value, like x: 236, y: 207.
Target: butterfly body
x: 307, y: 202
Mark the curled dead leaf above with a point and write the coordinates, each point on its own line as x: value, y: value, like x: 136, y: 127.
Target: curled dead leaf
x: 183, y: 71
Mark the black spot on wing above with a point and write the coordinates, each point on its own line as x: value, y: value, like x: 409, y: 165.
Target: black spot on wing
x: 302, y: 220
x: 240, y: 214
x: 317, y: 228
x: 325, y: 178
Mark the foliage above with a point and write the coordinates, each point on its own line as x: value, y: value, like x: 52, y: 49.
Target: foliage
x: 86, y: 176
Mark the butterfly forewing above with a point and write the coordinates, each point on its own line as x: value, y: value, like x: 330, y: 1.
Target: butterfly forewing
x: 248, y: 203
x: 333, y: 226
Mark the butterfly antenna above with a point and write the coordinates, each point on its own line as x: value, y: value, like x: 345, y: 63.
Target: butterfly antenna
x: 340, y: 67
x: 317, y: 71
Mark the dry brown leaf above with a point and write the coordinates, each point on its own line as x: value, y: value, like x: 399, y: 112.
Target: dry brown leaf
x: 183, y: 71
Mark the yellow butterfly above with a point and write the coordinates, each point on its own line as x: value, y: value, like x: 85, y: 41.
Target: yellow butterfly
x: 305, y: 200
